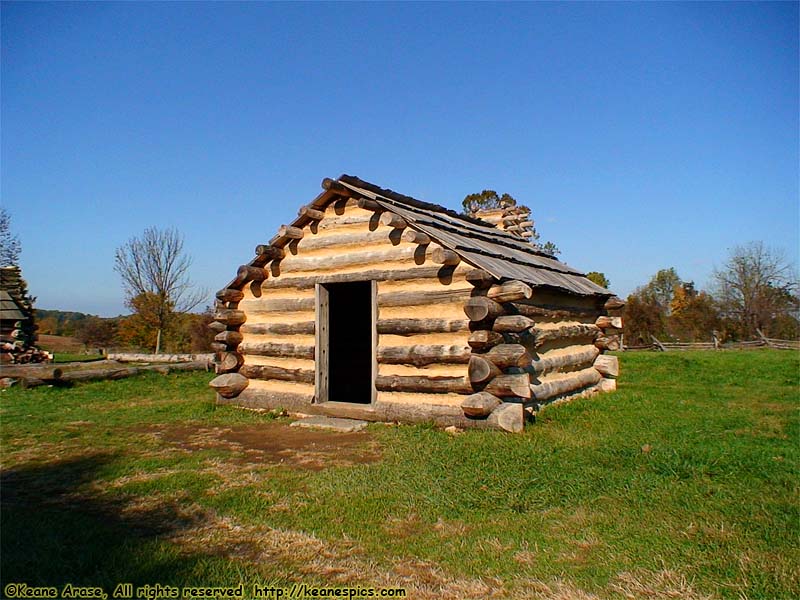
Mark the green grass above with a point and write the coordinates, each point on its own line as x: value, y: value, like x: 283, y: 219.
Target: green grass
x: 684, y: 483
x: 66, y: 357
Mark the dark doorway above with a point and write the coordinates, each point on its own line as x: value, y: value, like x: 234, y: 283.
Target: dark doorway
x: 350, y: 342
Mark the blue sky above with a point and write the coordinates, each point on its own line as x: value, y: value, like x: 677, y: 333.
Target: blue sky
x: 642, y: 135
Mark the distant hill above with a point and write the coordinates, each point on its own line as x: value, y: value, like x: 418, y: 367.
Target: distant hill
x: 59, y: 322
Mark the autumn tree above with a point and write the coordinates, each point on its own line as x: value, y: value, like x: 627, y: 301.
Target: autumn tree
x: 648, y: 307
x: 94, y: 332
x: 599, y: 278
x: 155, y: 276
x: 489, y: 199
x: 694, y: 315
x: 757, y: 288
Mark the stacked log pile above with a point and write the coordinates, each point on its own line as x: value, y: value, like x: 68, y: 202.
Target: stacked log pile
x: 509, y: 217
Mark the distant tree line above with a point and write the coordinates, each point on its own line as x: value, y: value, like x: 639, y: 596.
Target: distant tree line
x: 755, y: 290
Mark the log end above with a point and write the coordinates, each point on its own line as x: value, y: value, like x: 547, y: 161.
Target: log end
x: 229, y: 385
x: 480, y: 404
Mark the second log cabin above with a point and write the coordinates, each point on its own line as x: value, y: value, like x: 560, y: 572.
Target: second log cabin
x: 378, y: 306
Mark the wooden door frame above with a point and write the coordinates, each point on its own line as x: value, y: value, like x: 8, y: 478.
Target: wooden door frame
x: 322, y: 342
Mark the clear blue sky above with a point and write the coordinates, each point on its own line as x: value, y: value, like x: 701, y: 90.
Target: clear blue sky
x: 642, y: 135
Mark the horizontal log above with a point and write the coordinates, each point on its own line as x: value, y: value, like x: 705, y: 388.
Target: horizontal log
x: 423, y: 385
x: 565, y: 332
x: 229, y: 362
x: 268, y: 305
x: 267, y: 372
x: 45, y: 372
x: 99, y: 374
x: 510, y: 291
x: 480, y: 279
x: 231, y: 338
x: 480, y: 404
x: 607, y: 365
x: 484, y: 339
x: 311, y: 213
x: 414, y: 326
x: 216, y: 326
x: 481, y: 370
x: 230, y: 316
x: 335, y: 222
x: 218, y: 346
x: 516, y: 385
x: 416, y: 237
x: 393, y: 220
x: 480, y: 308
x: 302, y: 327
x: 547, y: 390
x: 550, y: 312
x: 580, y: 358
x: 350, y: 259
x: 268, y: 252
x: 358, y: 238
x: 276, y: 349
x: 608, y: 342
x: 614, y: 303
x: 290, y: 232
x: 512, y: 323
x: 304, y: 283
x: 443, y: 256
x: 440, y: 296
x: 508, y: 416
x: 602, y: 322
x: 334, y: 186
x: 422, y: 355
x: 230, y: 295
x: 509, y: 355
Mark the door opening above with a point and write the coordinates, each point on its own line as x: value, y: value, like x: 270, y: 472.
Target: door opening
x: 349, y: 348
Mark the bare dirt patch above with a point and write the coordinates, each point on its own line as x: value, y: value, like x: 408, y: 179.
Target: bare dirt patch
x: 274, y: 443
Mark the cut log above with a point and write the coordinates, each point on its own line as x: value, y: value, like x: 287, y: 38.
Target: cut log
x: 268, y: 372
x: 608, y: 342
x: 564, y: 333
x: 481, y: 370
x: 31, y: 372
x: 229, y: 385
x: 421, y: 355
x: 604, y: 322
x: 416, y: 237
x: 614, y: 303
x: 607, y: 365
x: 480, y: 404
x: 547, y: 390
x: 302, y: 327
x: 232, y: 338
x: 230, y: 316
x: 290, y: 232
x: 334, y: 186
x: 510, y: 291
x: 275, y: 349
x: 247, y: 273
x: 423, y: 385
x: 218, y: 346
x: 265, y: 251
x: 509, y: 355
x: 368, y: 204
x: 483, y: 339
x: 311, y: 213
x: 480, y: 279
x: 607, y: 385
x: 512, y: 323
x: 216, y: 326
x: 443, y: 256
x: 581, y: 358
x: 412, y: 326
x: 393, y: 220
x: 516, y: 385
x: 509, y: 416
x: 230, y: 295
x: 480, y: 308
x: 229, y: 362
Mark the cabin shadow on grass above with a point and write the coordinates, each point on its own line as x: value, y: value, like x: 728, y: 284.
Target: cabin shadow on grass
x: 54, y: 532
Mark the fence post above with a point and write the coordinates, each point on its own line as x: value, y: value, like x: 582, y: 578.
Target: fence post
x: 764, y: 339
x: 658, y: 344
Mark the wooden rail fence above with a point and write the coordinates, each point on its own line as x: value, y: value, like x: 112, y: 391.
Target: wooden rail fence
x: 761, y: 342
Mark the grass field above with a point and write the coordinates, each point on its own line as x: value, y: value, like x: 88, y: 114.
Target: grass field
x: 683, y: 484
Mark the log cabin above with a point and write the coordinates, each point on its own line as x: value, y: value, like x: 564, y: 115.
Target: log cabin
x: 377, y: 306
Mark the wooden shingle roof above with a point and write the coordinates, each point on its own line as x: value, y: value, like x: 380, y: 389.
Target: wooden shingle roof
x: 503, y: 254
